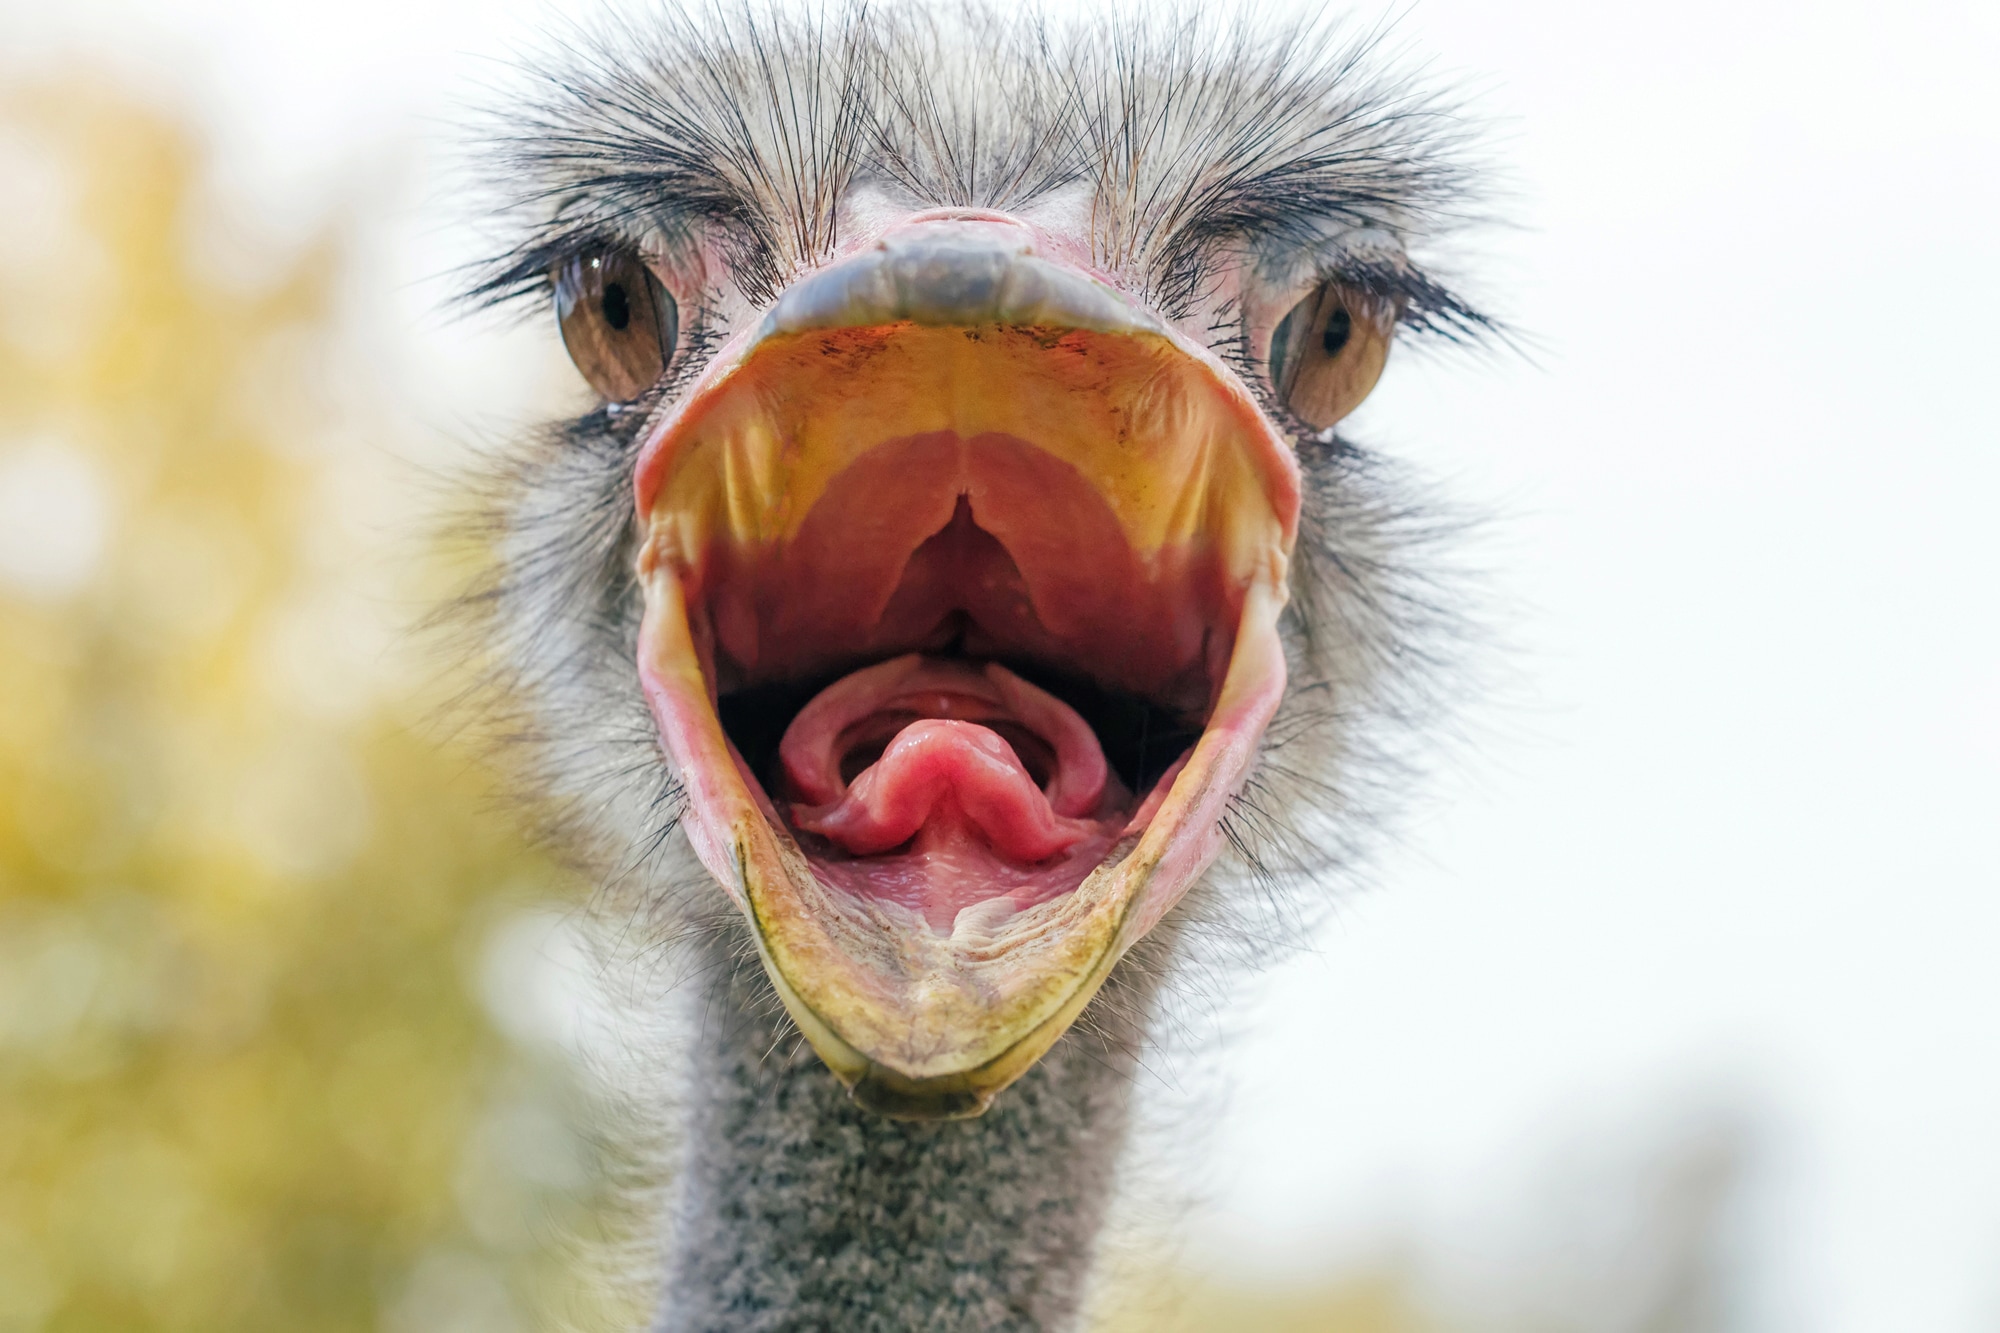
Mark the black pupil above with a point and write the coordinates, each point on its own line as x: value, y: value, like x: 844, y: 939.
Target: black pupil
x: 1339, y: 325
x: 618, y: 310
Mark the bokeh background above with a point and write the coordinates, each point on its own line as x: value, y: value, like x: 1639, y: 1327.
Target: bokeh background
x: 1677, y: 1007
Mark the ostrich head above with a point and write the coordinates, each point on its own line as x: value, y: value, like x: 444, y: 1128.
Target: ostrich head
x: 965, y: 496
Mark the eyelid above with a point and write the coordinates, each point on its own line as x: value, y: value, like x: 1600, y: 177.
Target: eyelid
x: 528, y: 268
x: 1358, y: 258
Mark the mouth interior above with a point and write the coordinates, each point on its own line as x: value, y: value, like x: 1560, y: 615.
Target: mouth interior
x: 960, y: 639
x: 958, y: 686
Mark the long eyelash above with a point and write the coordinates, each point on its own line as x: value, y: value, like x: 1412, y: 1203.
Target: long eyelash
x: 1428, y: 306
x: 523, y: 272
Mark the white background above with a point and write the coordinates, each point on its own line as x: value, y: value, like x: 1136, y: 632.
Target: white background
x: 1729, y: 837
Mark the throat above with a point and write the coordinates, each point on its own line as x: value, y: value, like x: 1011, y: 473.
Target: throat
x: 795, y: 1208
x: 946, y: 786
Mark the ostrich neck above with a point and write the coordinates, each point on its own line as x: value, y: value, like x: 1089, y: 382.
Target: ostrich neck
x: 797, y: 1210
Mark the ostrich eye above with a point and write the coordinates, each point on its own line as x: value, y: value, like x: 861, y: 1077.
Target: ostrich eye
x: 1326, y: 354
x: 617, y: 321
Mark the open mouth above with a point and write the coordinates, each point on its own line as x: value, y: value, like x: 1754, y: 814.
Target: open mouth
x: 962, y: 579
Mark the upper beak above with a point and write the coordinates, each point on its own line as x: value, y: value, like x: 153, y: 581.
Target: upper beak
x: 950, y: 333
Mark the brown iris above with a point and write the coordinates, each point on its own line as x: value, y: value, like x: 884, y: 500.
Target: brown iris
x: 618, y: 322
x: 1327, y: 353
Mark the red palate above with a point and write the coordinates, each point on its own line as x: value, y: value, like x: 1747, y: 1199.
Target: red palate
x: 937, y: 779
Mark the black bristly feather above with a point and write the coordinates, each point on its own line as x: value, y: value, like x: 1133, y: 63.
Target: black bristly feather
x: 1196, y: 136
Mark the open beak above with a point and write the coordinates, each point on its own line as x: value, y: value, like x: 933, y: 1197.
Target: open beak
x: 962, y: 580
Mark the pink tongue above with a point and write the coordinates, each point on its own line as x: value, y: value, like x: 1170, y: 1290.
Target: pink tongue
x: 944, y: 779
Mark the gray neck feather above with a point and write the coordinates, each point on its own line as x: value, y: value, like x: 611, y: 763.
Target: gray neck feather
x: 797, y: 1210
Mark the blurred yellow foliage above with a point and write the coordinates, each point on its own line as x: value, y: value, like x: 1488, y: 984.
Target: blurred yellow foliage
x: 245, y: 1078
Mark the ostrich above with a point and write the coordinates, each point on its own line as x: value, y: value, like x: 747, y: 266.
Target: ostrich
x: 960, y: 602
